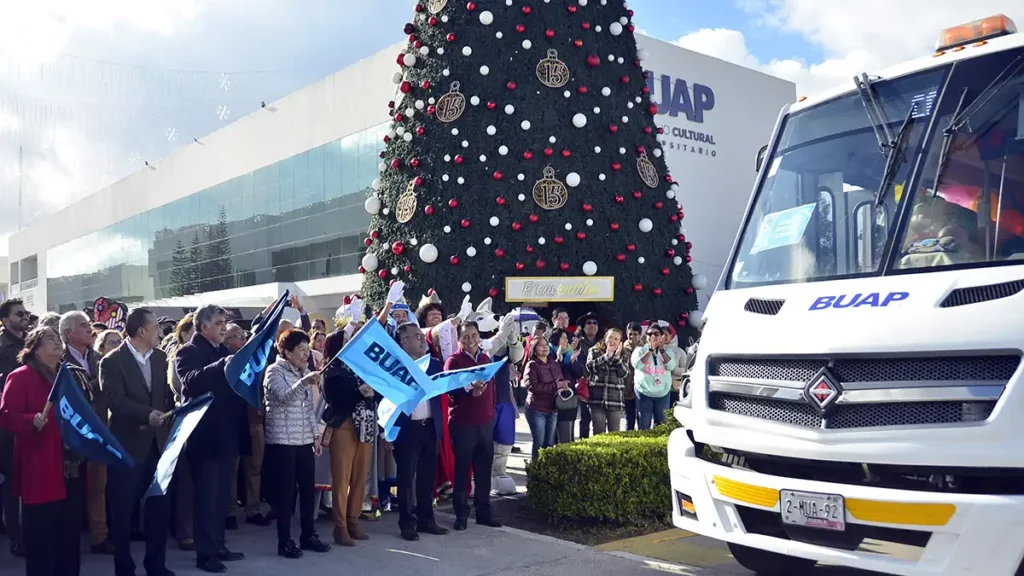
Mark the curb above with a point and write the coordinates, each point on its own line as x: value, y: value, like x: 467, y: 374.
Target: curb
x: 661, y: 565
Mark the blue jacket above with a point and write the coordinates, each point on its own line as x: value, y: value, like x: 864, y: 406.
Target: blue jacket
x: 403, y: 422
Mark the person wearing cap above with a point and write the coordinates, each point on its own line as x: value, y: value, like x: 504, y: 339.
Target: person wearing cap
x: 588, y: 329
x: 167, y: 325
x: 634, y: 337
x: 652, y: 377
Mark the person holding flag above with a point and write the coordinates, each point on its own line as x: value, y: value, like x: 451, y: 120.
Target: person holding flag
x: 46, y: 477
x: 133, y: 380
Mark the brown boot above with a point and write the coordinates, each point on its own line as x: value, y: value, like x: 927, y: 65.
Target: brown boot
x: 355, y: 531
x: 342, y: 538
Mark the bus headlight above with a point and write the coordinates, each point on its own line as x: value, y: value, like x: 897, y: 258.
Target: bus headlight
x: 684, y: 392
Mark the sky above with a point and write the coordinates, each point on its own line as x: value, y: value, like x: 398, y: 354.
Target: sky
x: 90, y: 90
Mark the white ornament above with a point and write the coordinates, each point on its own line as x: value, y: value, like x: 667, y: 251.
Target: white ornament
x: 424, y: 50
x: 641, y: 260
x: 572, y: 179
x: 474, y: 100
x: 467, y: 287
x: 376, y: 184
x: 597, y: 149
x: 606, y: 91
x: 527, y: 44
x: 409, y: 59
x: 372, y: 205
x: 541, y: 240
x: 461, y: 180
x: 420, y: 104
x: 446, y: 178
x: 700, y: 281
x: 567, y: 94
x: 590, y: 267
x: 370, y: 262
x: 465, y: 144
x: 520, y: 177
x: 494, y: 221
x: 625, y: 119
x: 446, y: 71
x: 471, y: 252
x: 491, y: 130
x: 447, y: 157
x: 467, y: 51
x: 646, y: 225
x: 413, y: 241
x: 407, y: 137
x: 382, y: 167
x: 522, y: 197
x: 696, y: 318
x: 400, y: 131
x: 568, y: 226
x: 455, y: 131
x: 677, y: 260
x: 597, y: 110
x: 440, y: 50
x: 657, y: 152
x: 394, y: 271
x: 525, y: 125
x: 552, y: 139
x: 615, y: 28
x: 499, y: 35
x: 611, y: 57
x: 447, y: 229
x: 410, y: 112
x: 483, y: 158
x: 397, y: 77
x: 643, y: 54
x: 503, y: 150
x: 670, y: 195
x: 487, y: 241
x: 590, y: 221
x: 484, y: 70
x: 623, y: 20
x: 622, y: 150
x: 486, y: 18
x: 579, y: 120
x: 510, y: 109
x: 384, y: 211
x: 601, y: 177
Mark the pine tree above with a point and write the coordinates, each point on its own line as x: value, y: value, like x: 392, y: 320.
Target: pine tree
x: 218, y: 272
x: 179, y: 270
x: 195, y: 265
x: 523, y: 144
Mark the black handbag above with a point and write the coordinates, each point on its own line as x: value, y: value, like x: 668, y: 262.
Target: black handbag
x: 566, y: 400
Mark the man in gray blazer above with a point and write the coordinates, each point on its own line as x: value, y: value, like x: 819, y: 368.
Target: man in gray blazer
x: 133, y: 379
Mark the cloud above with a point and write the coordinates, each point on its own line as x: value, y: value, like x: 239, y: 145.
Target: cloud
x: 854, y: 37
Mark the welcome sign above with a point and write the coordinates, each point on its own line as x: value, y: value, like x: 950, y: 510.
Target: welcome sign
x: 567, y: 289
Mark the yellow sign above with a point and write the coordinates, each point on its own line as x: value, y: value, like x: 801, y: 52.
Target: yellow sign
x: 568, y: 289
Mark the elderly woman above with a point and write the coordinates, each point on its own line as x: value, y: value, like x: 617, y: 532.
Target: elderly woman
x: 47, y: 477
x: 106, y: 342
x: 292, y: 441
x: 543, y: 379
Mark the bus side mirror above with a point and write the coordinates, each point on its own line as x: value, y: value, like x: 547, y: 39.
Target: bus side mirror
x: 759, y: 161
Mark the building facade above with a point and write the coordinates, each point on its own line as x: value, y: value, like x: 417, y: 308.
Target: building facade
x: 276, y: 198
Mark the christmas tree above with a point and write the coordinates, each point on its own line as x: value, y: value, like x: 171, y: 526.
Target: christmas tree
x: 524, y: 144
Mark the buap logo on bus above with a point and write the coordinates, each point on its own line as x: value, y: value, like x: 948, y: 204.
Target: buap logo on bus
x: 674, y: 96
x: 872, y: 300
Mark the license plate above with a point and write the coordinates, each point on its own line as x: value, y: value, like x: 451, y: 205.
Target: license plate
x: 812, y: 510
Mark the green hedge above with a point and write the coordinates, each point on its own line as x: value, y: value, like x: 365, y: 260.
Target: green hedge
x: 620, y: 478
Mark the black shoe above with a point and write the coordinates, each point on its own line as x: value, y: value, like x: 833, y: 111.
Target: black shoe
x: 432, y: 529
x: 257, y: 519
x: 314, y: 544
x: 211, y: 565
x: 138, y: 535
x: 231, y: 523
x: 225, y: 555
x: 461, y: 523
x: 489, y: 521
x: 288, y: 549
x: 517, y: 450
x: 410, y: 534
x: 17, y: 550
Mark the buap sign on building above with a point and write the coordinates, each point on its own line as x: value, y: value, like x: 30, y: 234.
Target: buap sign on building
x: 676, y: 98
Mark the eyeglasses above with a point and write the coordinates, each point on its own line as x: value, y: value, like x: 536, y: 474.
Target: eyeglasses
x: 590, y: 323
x: 653, y: 333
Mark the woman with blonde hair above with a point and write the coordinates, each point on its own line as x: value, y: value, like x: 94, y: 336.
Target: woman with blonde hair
x: 184, y: 491
x: 607, y: 367
x: 106, y: 341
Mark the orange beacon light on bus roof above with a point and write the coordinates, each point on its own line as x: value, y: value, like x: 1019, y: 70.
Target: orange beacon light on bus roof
x: 984, y: 29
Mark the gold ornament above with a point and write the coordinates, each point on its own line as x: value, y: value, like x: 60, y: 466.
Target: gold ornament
x: 552, y: 72
x: 451, y: 105
x: 406, y: 207
x: 549, y: 193
x: 648, y: 173
x: 435, y: 6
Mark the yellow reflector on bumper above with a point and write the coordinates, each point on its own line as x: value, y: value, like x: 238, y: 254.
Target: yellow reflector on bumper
x: 900, y: 512
x: 748, y: 493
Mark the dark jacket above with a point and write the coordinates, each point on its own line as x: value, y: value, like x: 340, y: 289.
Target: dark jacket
x: 466, y: 409
x: 435, y: 405
x: 10, y: 346
x: 224, y: 430
x: 91, y: 376
x: 341, y: 392
x: 541, y: 381
x: 130, y: 403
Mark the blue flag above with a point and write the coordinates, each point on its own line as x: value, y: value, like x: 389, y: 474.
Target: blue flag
x: 247, y: 365
x: 80, y: 427
x: 376, y: 358
x: 186, y: 418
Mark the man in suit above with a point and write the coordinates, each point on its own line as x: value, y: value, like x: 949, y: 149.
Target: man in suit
x: 76, y: 332
x: 416, y: 448
x: 133, y: 380
x: 218, y: 438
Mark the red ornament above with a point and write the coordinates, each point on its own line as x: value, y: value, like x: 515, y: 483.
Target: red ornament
x: 527, y: 9
x: 367, y: 242
x: 383, y: 274
x: 540, y: 264
x: 578, y: 43
x: 391, y: 104
x: 500, y: 201
x: 689, y: 245
x: 559, y: 240
x: 492, y: 105
x: 471, y: 6
x: 534, y: 218
x: 657, y: 291
x: 673, y: 218
x: 616, y: 166
x: 407, y: 268
x: 529, y: 249
x: 396, y: 163
x: 387, y: 139
x: 647, y: 130
x: 668, y: 178
x: 429, y: 210
x: 454, y: 260
x: 520, y: 28
x: 408, y: 28
x: 498, y: 175
x: 406, y: 87
x: 619, y: 199
x: 614, y: 226
x: 587, y: 208
x: 511, y: 85
x: 625, y: 79
x: 688, y: 259
x: 415, y: 162
x: 425, y: 85
x: 638, y: 287
x: 398, y: 248
x: 499, y: 253
x: 517, y: 226
x: 658, y: 205
x: 637, y: 194
x: 375, y: 234
x: 550, y: 34
x: 681, y: 323
x: 459, y: 159
x: 566, y: 153
x: 527, y: 155
x: 664, y: 271
x: 399, y: 117
x: 572, y: 9
x: 585, y: 25
x: 630, y: 13
x: 620, y: 257
x: 646, y: 89
x: 581, y: 235
x: 630, y: 247
x: 432, y: 21
x: 564, y: 266
x: 670, y: 252
x: 493, y: 292
x: 362, y: 270
x: 464, y: 223
x: 549, y: 152
x: 653, y: 109
x: 400, y: 60
x: 689, y: 289
x: 453, y: 203
x: 593, y: 61
x: 520, y: 266
x: 420, y: 130
x: 419, y: 8
x: 450, y: 37
x: 431, y: 109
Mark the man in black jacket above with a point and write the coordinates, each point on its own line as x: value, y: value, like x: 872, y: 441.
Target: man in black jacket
x: 218, y: 438
x: 15, y: 320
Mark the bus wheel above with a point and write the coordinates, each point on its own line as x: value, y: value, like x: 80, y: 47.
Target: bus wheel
x: 766, y: 563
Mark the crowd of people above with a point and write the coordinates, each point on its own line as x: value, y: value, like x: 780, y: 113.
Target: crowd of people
x: 315, y: 443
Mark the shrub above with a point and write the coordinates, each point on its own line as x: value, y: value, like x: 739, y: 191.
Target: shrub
x: 621, y: 478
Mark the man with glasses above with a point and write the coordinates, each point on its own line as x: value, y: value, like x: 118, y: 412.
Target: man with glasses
x: 15, y: 320
x: 416, y: 448
x: 589, y: 328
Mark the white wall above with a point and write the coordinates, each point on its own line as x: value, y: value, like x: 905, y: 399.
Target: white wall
x: 714, y: 190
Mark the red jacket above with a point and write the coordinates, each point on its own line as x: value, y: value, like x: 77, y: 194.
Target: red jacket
x: 466, y: 409
x: 38, y: 470
x: 541, y: 380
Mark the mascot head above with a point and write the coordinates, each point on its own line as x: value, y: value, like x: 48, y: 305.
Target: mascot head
x: 484, y: 317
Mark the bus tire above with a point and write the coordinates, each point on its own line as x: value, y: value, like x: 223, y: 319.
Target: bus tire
x: 765, y: 563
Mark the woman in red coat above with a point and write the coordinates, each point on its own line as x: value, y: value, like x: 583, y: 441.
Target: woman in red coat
x: 50, y: 485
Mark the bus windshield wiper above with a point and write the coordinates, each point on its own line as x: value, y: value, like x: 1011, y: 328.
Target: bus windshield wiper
x: 875, y: 113
x: 896, y: 155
